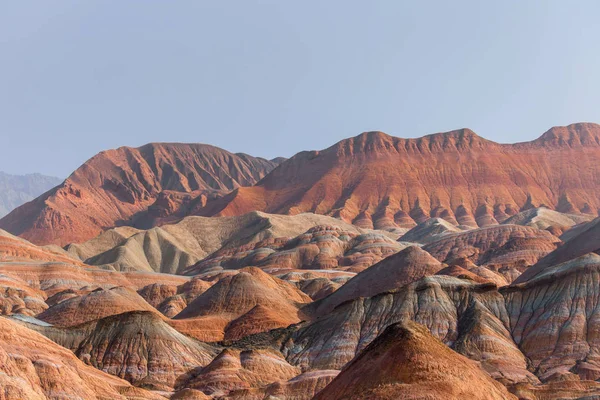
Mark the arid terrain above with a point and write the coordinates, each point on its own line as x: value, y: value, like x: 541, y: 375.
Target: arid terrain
x: 443, y: 267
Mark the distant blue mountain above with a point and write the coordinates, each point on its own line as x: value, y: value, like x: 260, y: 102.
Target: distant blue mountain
x: 19, y: 189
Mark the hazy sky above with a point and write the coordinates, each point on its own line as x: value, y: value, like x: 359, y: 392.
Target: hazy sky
x: 271, y: 78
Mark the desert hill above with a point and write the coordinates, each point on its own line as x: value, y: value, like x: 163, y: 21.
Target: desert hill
x: 379, y: 181
x: 114, y: 186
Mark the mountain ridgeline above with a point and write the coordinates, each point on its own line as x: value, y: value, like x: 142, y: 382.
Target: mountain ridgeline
x: 372, y: 180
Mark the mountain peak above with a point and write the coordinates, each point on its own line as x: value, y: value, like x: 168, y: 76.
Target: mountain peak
x: 406, y: 361
x: 574, y: 135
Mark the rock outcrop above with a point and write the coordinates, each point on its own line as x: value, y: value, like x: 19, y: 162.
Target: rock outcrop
x: 379, y: 181
x: 407, y: 266
x: 550, y: 220
x: 97, y: 304
x: 429, y: 231
x: 33, y: 367
x: 248, y: 302
x: 301, y: 387
x: 585, y: 240
x: 174, y: 248
x: 322, y: 247
x: 505, y: 249
x: 406, y: 362
x: 115, y: 186
x: 236, y: 370
x: 470, y: 318
x: 137, y: 346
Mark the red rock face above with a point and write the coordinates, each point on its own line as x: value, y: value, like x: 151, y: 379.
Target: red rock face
x: 376, y: 180
x: 406, y: 362
x: 115, y: 185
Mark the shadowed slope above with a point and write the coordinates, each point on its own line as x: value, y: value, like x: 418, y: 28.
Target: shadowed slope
x: 33, y: 367
x: 137, y: 346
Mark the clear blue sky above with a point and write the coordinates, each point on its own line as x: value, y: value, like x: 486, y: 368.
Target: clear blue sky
x: 272, y: 78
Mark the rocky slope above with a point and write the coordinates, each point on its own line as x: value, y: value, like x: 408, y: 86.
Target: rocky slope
x: 584, y: 240
x: 550, y: 220
x: 16, y: 190
x: 301, y: 387
x: 323, y: 247
x: 376, y: 180
x: 174, y: 248
x: 234, y: 369
x: 247, y: 302
x: 470, y: 318
x: 393, y: 272
x: 98, y: 303
x: 406, y: 362
x: 33, y: 367
x: 506, y: 249
x: 137, y: 346
x: 122, y: 186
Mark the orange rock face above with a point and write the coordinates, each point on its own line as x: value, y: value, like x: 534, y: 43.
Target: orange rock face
x: 113, y: 186
x: 250, y: 301
x: 406, y: 362
x: 376, y: 180
x: 97, y: 304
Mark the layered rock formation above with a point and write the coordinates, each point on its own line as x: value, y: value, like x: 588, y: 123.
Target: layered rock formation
x: 301, y: 387
x: 393, y: 272
x: 555, y: 321
x: 429, y: 231
x: 406, y: 362
x: 175, y: 247
x: 116, y: 185
x: 585, y: 240
x: 321, y: 247
x: 506, y: 249
x: 236, y: 370
x: 543, y: 218
x: 376, y: 180
x: 471, y: 318
x: 250, y: 301
x: 500, y: 265
x: 33, y: 367
x: 97, y: 304
x: 137, y: 346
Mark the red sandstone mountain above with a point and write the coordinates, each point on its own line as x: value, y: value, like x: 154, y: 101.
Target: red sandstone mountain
x: 406, y: 362
x: 376, y: 180
x: 372, y: 180
x: 151, y: 182
x: 250, y: 301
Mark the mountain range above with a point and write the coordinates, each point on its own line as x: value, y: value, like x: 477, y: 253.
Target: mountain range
x: 372, y: 181
x: 442, y: 267
x: 16, y: 190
